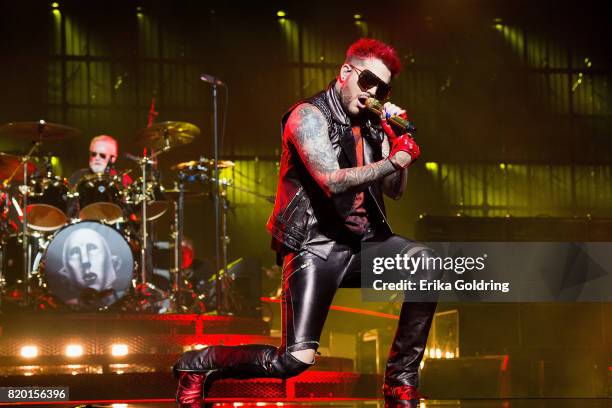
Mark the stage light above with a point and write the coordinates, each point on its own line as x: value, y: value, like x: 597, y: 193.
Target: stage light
x: 357, y: 16
x: 281, y: 13
x: 29, y: 351
x: 432, y: 353
x: 55, y: 5
x: 431, y: 166
x: 502, y: 166
x: 74, y: 350
x: 438, y: 353
x: 119, y: 350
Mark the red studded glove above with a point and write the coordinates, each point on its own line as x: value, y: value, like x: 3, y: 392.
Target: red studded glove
x: 404, y: 143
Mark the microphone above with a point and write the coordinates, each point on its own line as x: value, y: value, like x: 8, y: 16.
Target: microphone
x: 211, y: 79
x: 375, y: 106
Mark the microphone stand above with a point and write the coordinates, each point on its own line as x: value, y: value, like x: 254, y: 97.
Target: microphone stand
x: 24, y: 188
x: 218, y: 285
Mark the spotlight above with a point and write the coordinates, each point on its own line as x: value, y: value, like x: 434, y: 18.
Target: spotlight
x: 55, y: 5
x: 29, y: 351
x: 74, y: 350
x: 357, y: 16
x: 119, y: 350
x: 431, y: 166
x: 281, y: 13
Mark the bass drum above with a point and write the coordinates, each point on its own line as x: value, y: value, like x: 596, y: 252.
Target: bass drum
x: 88, y: 265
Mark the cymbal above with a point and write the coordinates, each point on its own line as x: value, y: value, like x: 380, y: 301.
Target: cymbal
x: 8, y: 164
x: 33, y: 130
x: 173, y: 194
x: 209, y: 164
x: 168, y: 134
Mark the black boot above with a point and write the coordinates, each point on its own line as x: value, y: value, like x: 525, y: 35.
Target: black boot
x: 200, y: 368
x: 409, y: 344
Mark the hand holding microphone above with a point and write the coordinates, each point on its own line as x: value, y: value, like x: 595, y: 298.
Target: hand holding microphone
x: 404, y: 150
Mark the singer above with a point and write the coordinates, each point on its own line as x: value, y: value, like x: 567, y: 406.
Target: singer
x: 338, y: 159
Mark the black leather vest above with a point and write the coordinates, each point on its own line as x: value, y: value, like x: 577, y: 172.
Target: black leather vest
x: 303, y: 216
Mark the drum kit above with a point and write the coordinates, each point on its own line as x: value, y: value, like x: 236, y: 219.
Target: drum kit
x: 87, y: 246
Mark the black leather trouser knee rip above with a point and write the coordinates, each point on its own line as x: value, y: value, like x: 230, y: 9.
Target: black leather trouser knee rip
x: 309, y: 286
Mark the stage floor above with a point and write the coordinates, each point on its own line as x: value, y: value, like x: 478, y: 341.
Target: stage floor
x: 480, y: 403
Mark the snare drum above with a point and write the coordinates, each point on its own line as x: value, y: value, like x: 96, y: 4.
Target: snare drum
x: 88, y: 265
x: 47, y: 203
x: 100, y: 198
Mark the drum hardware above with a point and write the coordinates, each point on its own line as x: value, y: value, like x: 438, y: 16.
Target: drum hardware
x: 146, y: 161
x: 192, y: 171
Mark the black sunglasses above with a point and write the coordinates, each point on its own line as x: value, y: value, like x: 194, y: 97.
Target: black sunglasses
x: 368, y: 80
x: 94, y: 154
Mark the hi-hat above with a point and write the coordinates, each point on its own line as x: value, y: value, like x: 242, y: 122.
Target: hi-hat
x: 8, y: 164
x: 166, y: 135
x: 203, y: 163
x: 174, y: 193
x: 31, y: 131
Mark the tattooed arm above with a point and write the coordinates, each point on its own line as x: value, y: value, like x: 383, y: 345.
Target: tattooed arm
x: 394, y: 184
x: 307, y: 129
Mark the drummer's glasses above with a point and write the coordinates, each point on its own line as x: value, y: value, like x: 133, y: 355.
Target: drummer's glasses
x: 368, y: 80
x: 94, y: 154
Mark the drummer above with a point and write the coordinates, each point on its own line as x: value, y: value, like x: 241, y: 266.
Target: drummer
x: 103, y: 150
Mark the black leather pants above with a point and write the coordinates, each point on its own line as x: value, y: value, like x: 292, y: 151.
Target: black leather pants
x: 309, y: 285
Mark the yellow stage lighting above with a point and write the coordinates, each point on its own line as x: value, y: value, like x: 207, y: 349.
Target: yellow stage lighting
x: 74, y: 350
x: 29, y: 351
x: 119, y: 350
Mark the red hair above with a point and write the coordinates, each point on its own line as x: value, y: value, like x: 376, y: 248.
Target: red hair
x: 370, y: 48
